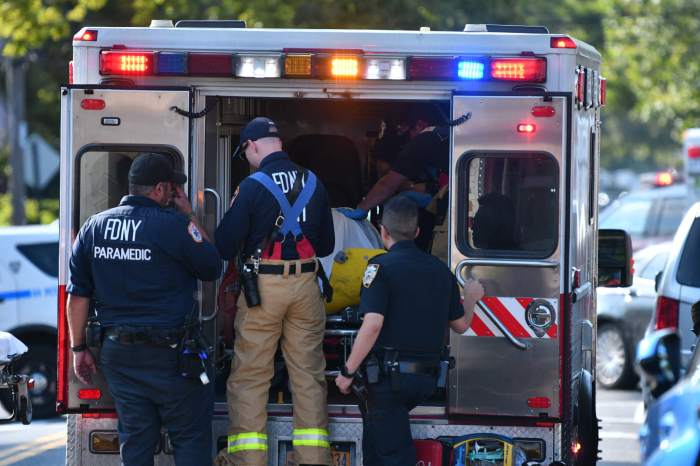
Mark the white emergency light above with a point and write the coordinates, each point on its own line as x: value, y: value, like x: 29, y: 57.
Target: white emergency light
x: 385, y: 68
x: 258, y: 66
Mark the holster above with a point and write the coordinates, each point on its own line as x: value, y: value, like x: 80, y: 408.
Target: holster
x: 194, y: 362
x: 446, y: 363
x: 392, y: 369
x: 93, y: 333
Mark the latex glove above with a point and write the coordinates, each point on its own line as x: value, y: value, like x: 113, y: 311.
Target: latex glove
x: 421, y: 199
x: 355, y: 214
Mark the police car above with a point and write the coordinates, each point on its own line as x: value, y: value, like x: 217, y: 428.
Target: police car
x: 526, y: 368
x: 28, y: 280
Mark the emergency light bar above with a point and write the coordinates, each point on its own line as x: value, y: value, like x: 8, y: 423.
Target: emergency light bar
x: 323, y: 64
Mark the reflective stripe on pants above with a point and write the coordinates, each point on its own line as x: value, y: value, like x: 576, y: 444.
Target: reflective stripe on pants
x: 311, y: 438
x: 247, y: 441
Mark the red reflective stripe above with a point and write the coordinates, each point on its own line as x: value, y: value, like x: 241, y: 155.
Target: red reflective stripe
x: 552, y: 331
x: 506, y: 318
x: 305, y: 249
x: 480, y: 328
x: 525, y: 302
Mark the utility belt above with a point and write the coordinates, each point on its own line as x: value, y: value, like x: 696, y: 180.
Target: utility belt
x: 391, y: 363
x: 145, y: 335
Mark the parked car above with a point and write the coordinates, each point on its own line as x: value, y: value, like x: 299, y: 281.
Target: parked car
x: 679, y: 284
x: 649, y: 216
x: 623, y: 317
x: 670, y: 435
x: 28, y: 310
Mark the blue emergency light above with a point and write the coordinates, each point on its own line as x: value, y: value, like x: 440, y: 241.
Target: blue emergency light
x: 470, y: 69
x: 171, y: 63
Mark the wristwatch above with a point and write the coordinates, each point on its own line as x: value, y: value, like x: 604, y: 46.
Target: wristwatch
x: 346, y: 373
x: 79, y: 348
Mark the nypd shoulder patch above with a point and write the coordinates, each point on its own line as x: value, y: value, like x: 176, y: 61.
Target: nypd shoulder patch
x: 194, y: 232
x: 370, y: 275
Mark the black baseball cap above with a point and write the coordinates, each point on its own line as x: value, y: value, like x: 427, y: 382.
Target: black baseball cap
x: 257, y: 128
x: 150, y: 168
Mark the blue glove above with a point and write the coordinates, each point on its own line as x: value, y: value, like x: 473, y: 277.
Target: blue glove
x: 421, y: 199
x: 355, y: 214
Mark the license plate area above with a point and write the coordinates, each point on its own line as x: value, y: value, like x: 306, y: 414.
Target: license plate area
x: 342, y: 454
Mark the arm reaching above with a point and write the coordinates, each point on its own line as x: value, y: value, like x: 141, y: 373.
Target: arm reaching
x: 473, y: 292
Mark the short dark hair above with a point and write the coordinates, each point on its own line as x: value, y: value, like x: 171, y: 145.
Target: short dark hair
x: 400, y: 218
x: 140, y: 189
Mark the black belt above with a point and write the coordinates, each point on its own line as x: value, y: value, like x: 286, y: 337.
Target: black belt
x: 278, y: 269
x: 145, y: 336
x: 418, y: 368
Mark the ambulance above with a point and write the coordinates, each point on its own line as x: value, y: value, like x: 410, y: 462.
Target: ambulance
x: 532, y: 100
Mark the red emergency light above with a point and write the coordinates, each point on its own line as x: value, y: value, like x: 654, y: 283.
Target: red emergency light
x: 562, y: 43
x: 70, y: 72
x: 580, y: 85
x: 539, y: 402
x: 543, y: 111
x: 527, y: 128
x: 663, y: 179
x: 126, y: 63
x: 89, y: 394
x: 603, y: 91
x: 519, y: 69
x: 86, y: 35
x: 694, y: 152
x: 92, y: 104
x: 429, y: 68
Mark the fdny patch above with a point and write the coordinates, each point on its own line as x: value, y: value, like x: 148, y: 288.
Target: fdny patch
x: 194, y: 233
x: 370, y: 275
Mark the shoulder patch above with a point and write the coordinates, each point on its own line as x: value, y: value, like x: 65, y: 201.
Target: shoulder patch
x: 194, y: 233
x: 370, y: 274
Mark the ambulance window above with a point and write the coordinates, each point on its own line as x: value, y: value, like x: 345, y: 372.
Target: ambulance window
x: 44, y: 256
x: 103, y: 178
x: 512, y: 205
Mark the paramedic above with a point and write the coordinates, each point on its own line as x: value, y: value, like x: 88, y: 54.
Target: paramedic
x: 408, y: 299
x: 278, y: 223
x: 420, y: 170
x: 139, y: 264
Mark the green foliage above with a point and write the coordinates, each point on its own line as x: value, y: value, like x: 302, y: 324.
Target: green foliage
x: 37, y: 211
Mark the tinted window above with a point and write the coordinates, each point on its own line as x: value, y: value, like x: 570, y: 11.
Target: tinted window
x: 654, y: 266
x: 44, y: 256
x: 671, y: 215
x: 630, y: 216
x: 511, y: 205
x: 689, y: 267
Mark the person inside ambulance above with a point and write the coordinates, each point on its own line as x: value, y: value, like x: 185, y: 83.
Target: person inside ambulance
x: 408, y: 300
x: 278, y: 223
x: 494, y: 223
x: 139, y: 263
x: 394, y: 134
x: 420, y: 170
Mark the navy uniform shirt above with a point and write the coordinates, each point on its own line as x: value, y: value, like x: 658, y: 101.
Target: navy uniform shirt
x: 425, y: 156
x: 140, y: 263
x: 254, y: 210
x: 417, y: 295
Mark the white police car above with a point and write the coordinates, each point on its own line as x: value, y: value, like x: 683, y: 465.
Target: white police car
x: 28, y: 290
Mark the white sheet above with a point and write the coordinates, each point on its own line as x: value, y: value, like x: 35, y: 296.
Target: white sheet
x: 10, y: 347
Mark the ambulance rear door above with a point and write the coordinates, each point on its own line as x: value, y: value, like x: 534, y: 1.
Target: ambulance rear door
x: 506, y: 225
x: 102, y: 130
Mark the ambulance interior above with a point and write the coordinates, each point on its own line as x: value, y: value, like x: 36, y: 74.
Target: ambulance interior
x: 336, y: 139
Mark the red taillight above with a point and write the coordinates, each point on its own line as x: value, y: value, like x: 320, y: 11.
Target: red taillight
x: 519, y: 69
x: 580, y: 85
x: 666, y: 312
x: 70, y: 72
x: 543, y: 111
x: 126, y: 63
x: 694, y: 152
x: 62, y: 363
x: 539, y: 402
x: 210, y: 64
x: 99, y: 415
x: 86, y: 35
x: 562, y: 43
x: 603, y: 91
x: 527, y: 128
x: 89, y: 394
x: 422, y: 68
x: 92, y: 104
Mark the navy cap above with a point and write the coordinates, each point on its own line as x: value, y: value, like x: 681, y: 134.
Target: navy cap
x: 150, y: 168
x: 257, y: 128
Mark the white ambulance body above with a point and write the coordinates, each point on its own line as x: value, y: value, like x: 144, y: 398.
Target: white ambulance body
x: 525, y: 369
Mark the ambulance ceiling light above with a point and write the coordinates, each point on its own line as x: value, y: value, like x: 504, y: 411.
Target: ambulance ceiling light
x: 258, y: 66
x: 126, y: 63
x: 171, y: 63
x: 86, y: 35
x: 297, y: 65
x: 385, y: 68
x: 345, y: 67
x: 603, y: 91
x: 663, y: 179
x: 210, y: 64
x: 694, y: 152
x: 432, y: 68
x: 470, y: 70
x: 519, y: 69
x: 527, y: 128
x: 562, y: 43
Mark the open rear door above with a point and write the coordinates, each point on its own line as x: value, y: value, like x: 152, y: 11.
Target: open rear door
x: 506, y: 231
x: 102, y: 130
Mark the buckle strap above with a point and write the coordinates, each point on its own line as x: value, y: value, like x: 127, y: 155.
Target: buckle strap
x: 247, y: 441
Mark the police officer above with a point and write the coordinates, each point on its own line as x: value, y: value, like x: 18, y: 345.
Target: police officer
x: 420, y: 170
x: 278, y: 222
x: 139, y: 264
x: 408, y: 299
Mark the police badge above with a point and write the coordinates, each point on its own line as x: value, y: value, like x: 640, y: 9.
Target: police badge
x: 370, y: 275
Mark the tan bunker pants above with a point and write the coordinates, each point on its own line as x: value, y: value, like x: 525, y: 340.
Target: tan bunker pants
x: 292, y: 312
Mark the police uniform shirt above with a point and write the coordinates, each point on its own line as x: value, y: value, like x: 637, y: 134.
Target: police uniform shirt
x: 140, y: 263
x: 254, y: 211
x: 424, y: 156
x: 417, y: 295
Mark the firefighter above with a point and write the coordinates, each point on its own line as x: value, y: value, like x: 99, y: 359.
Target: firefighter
x: 408, y: 299
x: 420, y: 170
x: 278, y: 223
x: 139, y: 264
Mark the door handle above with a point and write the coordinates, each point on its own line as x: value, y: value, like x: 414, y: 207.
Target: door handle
x: 488, y: 313
x: 219, y: 209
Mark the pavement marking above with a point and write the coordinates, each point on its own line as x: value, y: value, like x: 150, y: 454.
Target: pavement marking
x: 621, y: 420
x: 35, y: 447
x: 640, y: 414
x: 608, y: 435
x: 39, y: 449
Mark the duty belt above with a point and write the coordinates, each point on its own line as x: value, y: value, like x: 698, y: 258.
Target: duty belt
x: 418, y: 368
x: 278, y: 269
x: 145, y: 335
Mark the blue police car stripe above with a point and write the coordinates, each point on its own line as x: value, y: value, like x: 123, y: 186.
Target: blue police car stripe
x: 26, y: 294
